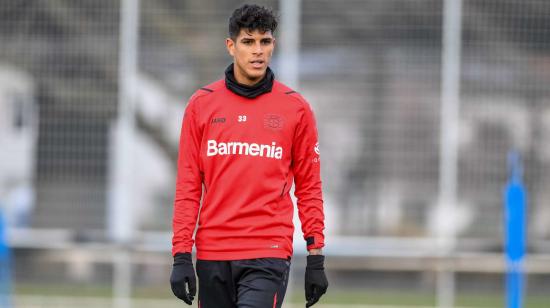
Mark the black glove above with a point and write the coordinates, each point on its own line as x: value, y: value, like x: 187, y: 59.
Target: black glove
x: 316, y: 283
x: 183, y: 273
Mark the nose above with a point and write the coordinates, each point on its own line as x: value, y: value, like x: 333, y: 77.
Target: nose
x: 258, y: 49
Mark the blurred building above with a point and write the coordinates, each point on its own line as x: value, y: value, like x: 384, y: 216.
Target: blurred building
x: 18, y: 137
x: 377, y: 98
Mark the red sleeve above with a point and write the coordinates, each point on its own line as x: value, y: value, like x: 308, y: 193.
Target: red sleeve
x: 307, y: 177
x: 188, y: 182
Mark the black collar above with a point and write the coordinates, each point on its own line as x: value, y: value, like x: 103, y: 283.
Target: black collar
x: 262, y: 87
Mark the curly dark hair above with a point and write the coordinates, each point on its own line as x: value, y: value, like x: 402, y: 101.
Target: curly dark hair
x: 252, y: 17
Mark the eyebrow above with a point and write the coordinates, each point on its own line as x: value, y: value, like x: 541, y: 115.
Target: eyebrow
x: 252, y: 39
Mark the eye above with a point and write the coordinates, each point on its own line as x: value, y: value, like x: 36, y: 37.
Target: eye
x: 247, y: 42
x: 266, y: 42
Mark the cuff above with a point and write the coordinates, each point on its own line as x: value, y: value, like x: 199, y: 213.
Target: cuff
x: 315, y: 241
x: 181, y: 249
x: 182, y: 258
x: 316, y: 262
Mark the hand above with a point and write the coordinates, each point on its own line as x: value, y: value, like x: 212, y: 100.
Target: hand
x: 316, y: 283
x: 183, y: 275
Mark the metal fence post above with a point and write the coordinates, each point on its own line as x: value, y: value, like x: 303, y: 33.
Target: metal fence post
x: 450, y: 102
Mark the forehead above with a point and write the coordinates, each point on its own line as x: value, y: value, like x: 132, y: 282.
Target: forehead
x: 254, y: 34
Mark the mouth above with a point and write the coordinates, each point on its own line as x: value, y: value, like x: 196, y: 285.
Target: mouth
x: 257, y: 63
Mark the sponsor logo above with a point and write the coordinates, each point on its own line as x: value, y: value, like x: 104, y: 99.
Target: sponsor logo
x: 273, y: 121
x: 242, y: 148
x: 316, y: 150
x: 217, y: 120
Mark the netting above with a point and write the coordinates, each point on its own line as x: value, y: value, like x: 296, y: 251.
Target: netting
x: 371, y: 69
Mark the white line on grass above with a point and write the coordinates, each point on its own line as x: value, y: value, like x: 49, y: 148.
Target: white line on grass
x: 47, y: 301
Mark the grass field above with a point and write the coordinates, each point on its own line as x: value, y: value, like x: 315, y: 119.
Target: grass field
x: 86, y: 296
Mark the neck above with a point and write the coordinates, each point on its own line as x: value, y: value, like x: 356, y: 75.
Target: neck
x: 248, y: 88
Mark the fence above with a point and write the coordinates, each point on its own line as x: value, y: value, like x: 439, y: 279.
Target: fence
x: 374, y: 71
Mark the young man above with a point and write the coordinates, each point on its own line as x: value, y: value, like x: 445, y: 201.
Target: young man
x: 244, y: 139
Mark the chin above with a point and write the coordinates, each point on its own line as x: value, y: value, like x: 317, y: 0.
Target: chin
x: 256, y: 74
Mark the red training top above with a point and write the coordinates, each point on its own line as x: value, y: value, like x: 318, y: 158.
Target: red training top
x: 246, y: 152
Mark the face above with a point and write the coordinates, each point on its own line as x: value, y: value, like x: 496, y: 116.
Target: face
x: 251, y: 52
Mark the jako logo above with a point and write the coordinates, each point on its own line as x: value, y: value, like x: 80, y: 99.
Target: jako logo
x: 243, y: 148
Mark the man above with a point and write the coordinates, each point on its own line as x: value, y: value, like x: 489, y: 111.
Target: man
x: 244, y: 139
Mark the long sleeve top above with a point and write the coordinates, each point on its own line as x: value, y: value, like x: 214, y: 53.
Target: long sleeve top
x: 238, y: 158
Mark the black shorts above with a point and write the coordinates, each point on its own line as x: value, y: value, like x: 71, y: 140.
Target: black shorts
x: 254, y: 283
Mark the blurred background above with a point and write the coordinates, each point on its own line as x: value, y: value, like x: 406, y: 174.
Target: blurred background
x: 418, y: 103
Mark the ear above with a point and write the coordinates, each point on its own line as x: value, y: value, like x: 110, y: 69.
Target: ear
x: 230, y: 45
x: 274, y: 45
